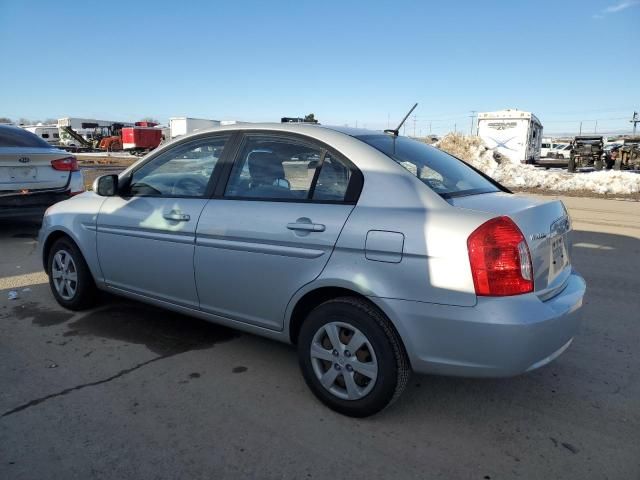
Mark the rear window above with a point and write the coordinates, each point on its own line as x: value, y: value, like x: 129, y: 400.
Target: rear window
x: 17, y: 137
x: 443, y: 173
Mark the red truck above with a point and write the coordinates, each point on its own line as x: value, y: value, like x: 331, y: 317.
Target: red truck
x: 144, y: 136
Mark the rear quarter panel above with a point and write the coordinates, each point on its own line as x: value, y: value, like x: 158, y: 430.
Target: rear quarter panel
x: 435, y: 264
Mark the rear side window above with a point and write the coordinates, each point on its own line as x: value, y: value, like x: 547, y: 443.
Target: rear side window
x: 275, y: 168
x: 443, y: 173
x: 17, y: 137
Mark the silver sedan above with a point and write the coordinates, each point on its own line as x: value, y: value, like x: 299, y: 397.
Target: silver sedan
x: 373, y: 253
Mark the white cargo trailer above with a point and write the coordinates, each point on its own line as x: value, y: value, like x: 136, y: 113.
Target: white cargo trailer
x: 183, y: 125
x: 513, y: 133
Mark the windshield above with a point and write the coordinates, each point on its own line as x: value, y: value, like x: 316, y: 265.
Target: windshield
x: 443, y: 173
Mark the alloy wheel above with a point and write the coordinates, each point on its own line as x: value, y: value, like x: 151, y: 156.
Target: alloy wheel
x: 65, y: 274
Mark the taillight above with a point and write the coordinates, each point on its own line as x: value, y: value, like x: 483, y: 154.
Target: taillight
x: 69, y: 164
x: 500, y: 259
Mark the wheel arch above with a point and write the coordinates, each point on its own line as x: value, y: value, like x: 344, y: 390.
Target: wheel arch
x: 51, y: 238
x: 57, y: 234
x: 306, y: 301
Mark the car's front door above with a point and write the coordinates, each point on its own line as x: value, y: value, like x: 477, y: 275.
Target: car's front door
x: 272, y: 228
x: 146, y: 234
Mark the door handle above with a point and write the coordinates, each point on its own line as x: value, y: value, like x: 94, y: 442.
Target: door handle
x: 306, y: 227
x: 175, y: 216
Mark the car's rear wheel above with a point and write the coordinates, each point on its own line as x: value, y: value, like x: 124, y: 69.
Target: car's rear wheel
x: 351, y: 357
x: 69, y: 277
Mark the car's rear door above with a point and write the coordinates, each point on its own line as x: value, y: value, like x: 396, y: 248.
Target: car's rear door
x: 272, y: 227
x: 146, y: 234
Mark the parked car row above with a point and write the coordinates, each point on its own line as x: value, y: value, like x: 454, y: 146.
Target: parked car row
x: 590, y: 151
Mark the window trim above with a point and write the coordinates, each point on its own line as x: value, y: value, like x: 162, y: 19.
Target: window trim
x: 352, y: 193
x: 124, y: 189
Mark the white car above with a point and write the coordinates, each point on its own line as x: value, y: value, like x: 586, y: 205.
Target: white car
x: 546, y: 148
x: 33, y: 174
x: 562, y: 151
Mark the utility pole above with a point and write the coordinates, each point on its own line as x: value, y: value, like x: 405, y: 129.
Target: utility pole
x: 580, y: 127
x: 455, y: 128
x: 635, y: 120
x: 414, y: 125
x: 473, y: 116
x: 429, y: 128
x: 595, y: 130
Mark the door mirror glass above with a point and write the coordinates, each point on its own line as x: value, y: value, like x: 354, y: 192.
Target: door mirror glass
x: 106, y: 185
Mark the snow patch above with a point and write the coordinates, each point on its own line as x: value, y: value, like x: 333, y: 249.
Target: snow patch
x: 511, y: 174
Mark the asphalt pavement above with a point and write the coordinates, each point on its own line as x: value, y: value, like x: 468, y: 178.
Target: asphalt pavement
x: 127, y: 391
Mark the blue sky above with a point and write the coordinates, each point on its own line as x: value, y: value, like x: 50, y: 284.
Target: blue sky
x: 346, y: 61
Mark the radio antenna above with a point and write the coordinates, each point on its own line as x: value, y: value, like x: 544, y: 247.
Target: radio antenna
x: 396, y: 131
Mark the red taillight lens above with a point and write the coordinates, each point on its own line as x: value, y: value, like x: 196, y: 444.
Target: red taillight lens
x: 69, y: 164
x: 500, y: 259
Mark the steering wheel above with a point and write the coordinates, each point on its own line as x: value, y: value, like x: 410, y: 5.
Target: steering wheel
x: 189, y: 186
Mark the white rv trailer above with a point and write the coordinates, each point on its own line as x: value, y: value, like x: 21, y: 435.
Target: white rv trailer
x: 49, y: 133
x: 513, y: 133
x: 183, y: 125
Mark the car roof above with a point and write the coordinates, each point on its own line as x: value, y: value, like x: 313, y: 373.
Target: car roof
x: 295, y: 127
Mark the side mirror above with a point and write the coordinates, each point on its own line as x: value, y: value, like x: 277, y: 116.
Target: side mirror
x: 106, y: 185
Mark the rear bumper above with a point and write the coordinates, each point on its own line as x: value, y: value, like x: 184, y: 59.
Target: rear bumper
x: 36, y: 202
x: 498, y: 337
x: 30, y: 204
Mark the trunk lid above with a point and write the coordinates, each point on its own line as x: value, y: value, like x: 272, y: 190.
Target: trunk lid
x: 28, y: 168
x: 546, y: 227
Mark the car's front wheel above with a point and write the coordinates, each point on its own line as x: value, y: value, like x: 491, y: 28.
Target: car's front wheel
x: 351, y: 357
x: 70, y: 280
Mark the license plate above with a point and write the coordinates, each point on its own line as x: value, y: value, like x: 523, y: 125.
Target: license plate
x: 22, y: 173
x: 559, y: 255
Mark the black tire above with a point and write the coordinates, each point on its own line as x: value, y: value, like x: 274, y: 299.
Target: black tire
x: 85, y: 291
x: 393, y: 369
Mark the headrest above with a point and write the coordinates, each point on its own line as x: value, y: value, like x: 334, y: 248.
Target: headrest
x: 265, y: 168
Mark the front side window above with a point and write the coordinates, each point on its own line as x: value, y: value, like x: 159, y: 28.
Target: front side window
x: 182, y: 171
x: 273, y: 168
x: 443, y: 173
